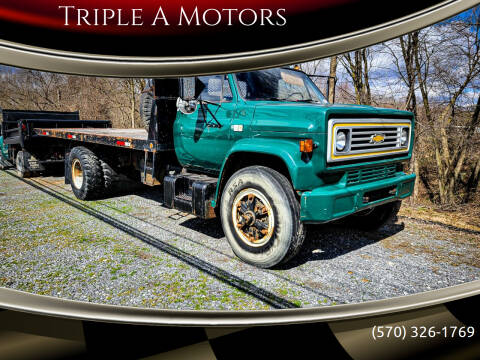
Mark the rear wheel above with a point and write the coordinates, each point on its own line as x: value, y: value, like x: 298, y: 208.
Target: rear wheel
x: 22, y: 170
x: 85, y: 174
x: 261, y: 217
x: 110, y: 176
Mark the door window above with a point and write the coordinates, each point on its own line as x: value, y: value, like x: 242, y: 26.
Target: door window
x: 217, y: 88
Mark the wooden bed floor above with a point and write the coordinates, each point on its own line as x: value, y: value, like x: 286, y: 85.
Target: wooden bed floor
x: 137, y: 134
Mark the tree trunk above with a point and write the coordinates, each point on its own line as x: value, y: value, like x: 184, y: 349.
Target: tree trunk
x: 132, y: 102
x: 357, y: 69
x: 331, y: 80
x: 366, y: 82
x: 473, y: 182
x: 409, y: 46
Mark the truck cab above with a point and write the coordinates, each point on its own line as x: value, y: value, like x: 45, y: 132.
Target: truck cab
x: 281, y: 156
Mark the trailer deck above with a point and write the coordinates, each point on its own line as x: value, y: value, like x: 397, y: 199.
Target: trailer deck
x: 136, y: 139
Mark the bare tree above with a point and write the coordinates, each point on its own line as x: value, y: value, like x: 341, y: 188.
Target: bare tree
x: 331, y: 80
x: 95, y: 97
x: 448, y: 60
x: 131, y: 89
x: 402, y: 52
x: 357, y: 66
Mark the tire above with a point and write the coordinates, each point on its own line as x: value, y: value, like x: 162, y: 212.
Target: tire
x: 86, y: 174
x: 110, y: 176
x: 20, y: 165
x: 371, y: 220
x: 275, y: 208
x: 147, y: 108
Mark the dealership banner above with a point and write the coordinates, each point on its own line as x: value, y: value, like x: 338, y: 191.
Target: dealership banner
x: 145, y: 38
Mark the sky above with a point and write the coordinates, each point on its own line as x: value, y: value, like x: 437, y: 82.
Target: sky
x: 384, y: 79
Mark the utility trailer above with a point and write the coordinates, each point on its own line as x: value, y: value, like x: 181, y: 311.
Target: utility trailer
x: 22, y: 146
x: 34, y: 140
x: 128, y: 139
x: 98, y: 159
x: 135, y: 154
x: 263, y: 150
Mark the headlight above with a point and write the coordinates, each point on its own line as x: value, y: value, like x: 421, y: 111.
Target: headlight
x: 341, y: 141
x: 404, y: 137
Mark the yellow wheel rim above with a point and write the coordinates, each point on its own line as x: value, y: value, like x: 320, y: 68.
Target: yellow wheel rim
x: 77, y: 174
x: 253, y: 218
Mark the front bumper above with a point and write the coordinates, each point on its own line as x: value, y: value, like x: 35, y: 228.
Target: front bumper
x: 332, y: 202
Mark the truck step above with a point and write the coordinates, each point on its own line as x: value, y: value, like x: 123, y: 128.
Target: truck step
x: 191, y: 193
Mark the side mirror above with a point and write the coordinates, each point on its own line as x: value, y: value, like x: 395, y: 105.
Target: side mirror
x: 191, y: 88
x: 186, y: 106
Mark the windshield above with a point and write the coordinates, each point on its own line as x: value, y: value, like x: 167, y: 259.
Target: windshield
x: 278, y: 84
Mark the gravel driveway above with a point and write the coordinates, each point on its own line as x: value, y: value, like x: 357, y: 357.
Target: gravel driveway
x: 130, y: 250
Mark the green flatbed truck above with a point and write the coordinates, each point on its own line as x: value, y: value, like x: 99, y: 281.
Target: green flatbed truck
x: 262, y: 150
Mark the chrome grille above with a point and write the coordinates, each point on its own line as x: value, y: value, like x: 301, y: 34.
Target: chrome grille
x: 367, y: 138
x: 361, y: 176
x: 361, y: 138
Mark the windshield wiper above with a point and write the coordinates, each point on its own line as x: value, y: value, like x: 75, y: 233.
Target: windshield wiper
x: 274, y: 99
x: 286, y: 99
x: 307, y: 101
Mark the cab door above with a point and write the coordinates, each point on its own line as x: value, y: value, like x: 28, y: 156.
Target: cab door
x: 203, y: 137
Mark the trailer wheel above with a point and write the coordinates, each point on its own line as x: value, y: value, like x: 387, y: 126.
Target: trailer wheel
x: 373, y: 219
x: 261, y: 217
x: 20, y: 164
x: 110, y: 176
x: 85, y: 174
x: 147, y: 108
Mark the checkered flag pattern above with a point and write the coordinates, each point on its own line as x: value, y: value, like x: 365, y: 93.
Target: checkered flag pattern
x: 29, y: 336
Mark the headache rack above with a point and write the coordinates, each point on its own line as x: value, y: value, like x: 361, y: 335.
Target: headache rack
x: 19, y: 126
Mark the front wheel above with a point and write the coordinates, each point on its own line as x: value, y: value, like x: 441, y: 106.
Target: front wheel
x: 373, y: 219
x: 261, y: 217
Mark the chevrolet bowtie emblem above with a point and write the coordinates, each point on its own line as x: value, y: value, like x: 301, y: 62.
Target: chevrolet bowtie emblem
x: 377, y: 139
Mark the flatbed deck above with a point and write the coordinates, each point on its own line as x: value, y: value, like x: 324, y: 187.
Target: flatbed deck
x: 126, y: 138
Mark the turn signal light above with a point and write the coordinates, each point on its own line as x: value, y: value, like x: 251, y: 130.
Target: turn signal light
x: 306, y: 146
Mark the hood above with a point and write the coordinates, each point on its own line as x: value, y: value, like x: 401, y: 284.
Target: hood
x: 310, y: 117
